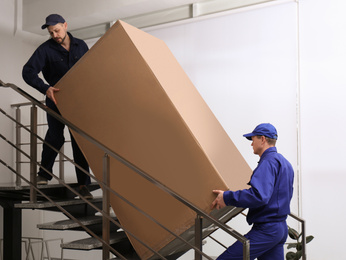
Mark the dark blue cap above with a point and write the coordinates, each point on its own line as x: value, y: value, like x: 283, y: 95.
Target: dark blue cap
x: 266, y: 129
x: 53, y: 19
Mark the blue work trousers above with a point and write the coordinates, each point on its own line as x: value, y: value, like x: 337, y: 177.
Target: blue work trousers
x: 55, y: 137
x: 266, y: 243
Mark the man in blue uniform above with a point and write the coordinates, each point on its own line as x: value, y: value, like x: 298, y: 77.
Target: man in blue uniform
x: 54, y: 58
x: 268, y: 199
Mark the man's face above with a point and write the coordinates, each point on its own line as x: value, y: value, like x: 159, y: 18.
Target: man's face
x: 58, y: 32
x: 257, y: 145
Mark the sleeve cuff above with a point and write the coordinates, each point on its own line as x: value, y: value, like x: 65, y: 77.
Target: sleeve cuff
x: 227, y: 195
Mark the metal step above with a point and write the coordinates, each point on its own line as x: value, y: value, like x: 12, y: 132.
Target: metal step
x: 55, y: 258
x: 76, y: 207
x: 71, y: 224
x: 93, y: 243
x: 203, y: 258
x: 177, y: 247
x: 13, y: 192
x: 48, y: 204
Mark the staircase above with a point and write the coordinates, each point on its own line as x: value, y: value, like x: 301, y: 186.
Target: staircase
x: 15, y: 199
x: 106, y: 233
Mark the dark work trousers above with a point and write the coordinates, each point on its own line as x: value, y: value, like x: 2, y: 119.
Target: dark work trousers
x: 55, y: 137
x: 266, y: 243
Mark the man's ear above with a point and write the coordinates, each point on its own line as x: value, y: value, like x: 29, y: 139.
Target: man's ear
x: 263, y: 139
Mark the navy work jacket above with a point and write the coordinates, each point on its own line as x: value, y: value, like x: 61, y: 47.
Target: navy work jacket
x: 269, y: 196
x: 54, y: 61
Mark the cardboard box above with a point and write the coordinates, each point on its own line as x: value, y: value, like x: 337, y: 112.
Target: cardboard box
x: 130, y: 93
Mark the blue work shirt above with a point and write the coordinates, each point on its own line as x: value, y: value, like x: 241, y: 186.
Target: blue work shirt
x: 269, y: 196
x: 54, y: 61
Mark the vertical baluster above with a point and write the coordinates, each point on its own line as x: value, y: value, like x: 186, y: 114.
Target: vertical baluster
x: 246, y: 250
x: 105, y: 207
x: 61, y: 164
x: 33, y: 152
x: 303, y: 240
x: 198, y: 237
x: 18, y: 145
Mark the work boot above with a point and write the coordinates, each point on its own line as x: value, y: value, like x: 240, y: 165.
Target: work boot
x: 41, y: 180
x: 85, y: 193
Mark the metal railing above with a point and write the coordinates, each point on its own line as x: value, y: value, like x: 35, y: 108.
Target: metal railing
x: 302, y: 222
x: 303, y: 233
x: 201, y: 215
x: 18, y: 118
x: 29, y: 250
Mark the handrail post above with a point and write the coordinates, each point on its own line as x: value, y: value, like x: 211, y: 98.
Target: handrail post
x: 33, y: 152
x: 18, y: 143
x: 246, y: 250
x: 198, y: 236
x: 303, y: 240
x: 105, y: 207
x: 302, y: 221
x: 61, y: 164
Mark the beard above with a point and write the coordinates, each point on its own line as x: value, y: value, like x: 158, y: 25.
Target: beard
x: 60, y: 40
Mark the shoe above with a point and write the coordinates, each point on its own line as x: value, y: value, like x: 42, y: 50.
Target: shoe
x: 111, y: 213
x: 85, y: 193
x: 41, y: 180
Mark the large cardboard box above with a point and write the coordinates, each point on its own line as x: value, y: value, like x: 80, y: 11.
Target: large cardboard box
x: 130, y: 93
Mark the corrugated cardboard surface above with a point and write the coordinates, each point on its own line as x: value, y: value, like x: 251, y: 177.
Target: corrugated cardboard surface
x: 130, y: 93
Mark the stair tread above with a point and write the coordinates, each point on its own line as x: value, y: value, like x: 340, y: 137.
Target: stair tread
x: 12, y: 192
x: 13, y: 187
x: 70, y: 223
x: 92, y: 243
x: 58, y: 258
x: 48, y: 204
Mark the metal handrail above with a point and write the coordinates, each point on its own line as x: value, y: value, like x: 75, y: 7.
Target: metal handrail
x: 23, y: 104
x: 18, y: 106
x: 104, y: 212
x: 65, y: 211
x: 302, y: 221
x: 67, y: 186
x: 303, y: 234
x: 37, y: 137
x: 109, y: 152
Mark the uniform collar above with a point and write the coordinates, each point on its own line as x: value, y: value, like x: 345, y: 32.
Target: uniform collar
x: 72, y: 39
x: 268, y: 151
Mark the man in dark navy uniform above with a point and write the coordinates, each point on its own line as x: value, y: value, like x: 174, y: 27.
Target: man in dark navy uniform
x: 268, y: 199
x: 54, y: 58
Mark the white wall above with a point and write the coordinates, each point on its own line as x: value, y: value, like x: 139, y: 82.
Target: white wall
x: 323, y: 92
x: 13, y: 52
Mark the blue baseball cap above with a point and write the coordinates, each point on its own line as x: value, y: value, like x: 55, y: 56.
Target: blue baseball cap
x: 53, y: 19
x: 265, y: 129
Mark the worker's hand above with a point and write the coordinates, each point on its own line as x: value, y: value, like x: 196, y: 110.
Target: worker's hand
x: 50, y: 93
x: 218, y: 203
